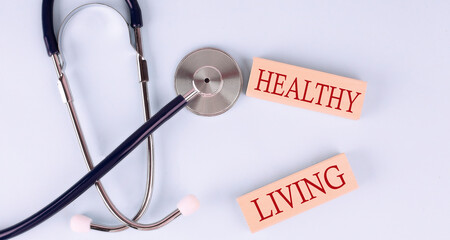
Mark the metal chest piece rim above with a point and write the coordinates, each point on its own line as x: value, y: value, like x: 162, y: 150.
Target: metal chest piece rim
x: 216, y: 76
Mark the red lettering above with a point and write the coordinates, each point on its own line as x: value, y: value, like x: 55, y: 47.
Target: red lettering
x: 334, y: 97
x: 306, y: 90
x: 274, y: 203
x: 284, y: 197
x: 278, y: 84
x: 300, y: 192
x: 307, y: 182
x: 261, y: 71
x: 321, y: 90
x: 290, y: 90
x: 325, y: 176
x: 259, y: 211
x: 351, y: 101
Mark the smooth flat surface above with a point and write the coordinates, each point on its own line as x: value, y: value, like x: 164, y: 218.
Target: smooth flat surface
x: 398, y: 150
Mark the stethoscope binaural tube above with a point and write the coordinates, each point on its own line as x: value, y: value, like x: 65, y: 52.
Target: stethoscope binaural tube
x: 49, y: 33
x: 54, y: 50
x: 64, y: 88
x: 104, y: 167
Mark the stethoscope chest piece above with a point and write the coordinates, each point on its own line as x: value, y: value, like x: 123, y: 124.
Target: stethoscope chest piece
x: 215, y: 75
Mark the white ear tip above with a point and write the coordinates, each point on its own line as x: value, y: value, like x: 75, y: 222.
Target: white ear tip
x: 188, y: 205
x: 80, y: 223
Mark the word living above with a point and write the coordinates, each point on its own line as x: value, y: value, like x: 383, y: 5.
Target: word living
x: 299, y: 187
x: 297, y: 193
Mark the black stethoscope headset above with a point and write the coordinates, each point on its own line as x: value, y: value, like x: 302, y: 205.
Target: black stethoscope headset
x: 208, y: 81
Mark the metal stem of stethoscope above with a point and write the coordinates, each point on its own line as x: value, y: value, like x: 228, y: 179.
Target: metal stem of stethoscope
x: 67, y: 98
x: 66, y: 95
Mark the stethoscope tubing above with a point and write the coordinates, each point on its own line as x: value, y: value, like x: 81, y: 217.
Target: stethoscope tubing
x: 136, y: 23
x: 102, y: 168
x: 98, y: 184
x: 49, y: 32
x: 143, y: 80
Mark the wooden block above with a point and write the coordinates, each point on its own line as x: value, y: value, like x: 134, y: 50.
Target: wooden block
x: 306, y: 88
x: 297, y: 193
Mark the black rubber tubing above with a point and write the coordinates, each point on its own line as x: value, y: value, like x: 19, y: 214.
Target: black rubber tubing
x: 99, y: 171
x: 49, y: 32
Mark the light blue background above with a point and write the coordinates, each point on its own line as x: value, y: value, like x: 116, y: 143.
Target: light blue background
x: 399, y: 149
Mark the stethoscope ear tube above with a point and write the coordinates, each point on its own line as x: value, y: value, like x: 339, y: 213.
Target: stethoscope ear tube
x: 101, y: 169
x: 135, y: 13
x: 47, y: 27
x: 49, y: 32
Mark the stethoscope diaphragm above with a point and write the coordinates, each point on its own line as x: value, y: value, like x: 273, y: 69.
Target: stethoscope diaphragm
x: 216, y: 76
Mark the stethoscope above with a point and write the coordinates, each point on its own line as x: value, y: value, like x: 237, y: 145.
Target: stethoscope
x: 208, y: 82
